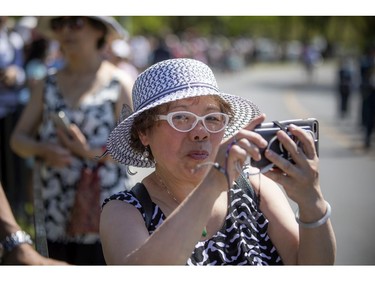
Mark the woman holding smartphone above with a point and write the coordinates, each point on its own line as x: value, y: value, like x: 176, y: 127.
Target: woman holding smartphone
x: 90, y: 92
x: 206, y: 205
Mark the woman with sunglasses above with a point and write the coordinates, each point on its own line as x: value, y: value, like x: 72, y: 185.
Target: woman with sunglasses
x: 199, y: 206
x: 66, y: 124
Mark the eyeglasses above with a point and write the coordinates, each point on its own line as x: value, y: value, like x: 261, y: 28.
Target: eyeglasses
x: 74, y: 23
x: 185, y: 121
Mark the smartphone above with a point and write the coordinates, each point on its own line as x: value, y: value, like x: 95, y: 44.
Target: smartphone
x: 268, y: 131
x: 60, y: 120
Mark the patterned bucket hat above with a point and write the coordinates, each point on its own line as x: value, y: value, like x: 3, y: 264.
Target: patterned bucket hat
x: 168, y: 81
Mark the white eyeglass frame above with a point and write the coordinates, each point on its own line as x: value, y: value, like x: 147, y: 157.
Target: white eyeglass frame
x: 170, y: 115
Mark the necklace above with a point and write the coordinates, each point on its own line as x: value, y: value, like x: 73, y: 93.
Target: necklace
x: 204, y: 232
x: 166, y: 188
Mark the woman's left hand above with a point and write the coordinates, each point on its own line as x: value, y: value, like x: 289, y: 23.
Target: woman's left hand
x: 246, y: 143
x: 301, y: 178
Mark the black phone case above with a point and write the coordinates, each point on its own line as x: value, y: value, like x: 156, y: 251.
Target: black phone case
x: 268, y: 131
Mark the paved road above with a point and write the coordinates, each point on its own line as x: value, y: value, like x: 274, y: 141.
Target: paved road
x: 347, y: 172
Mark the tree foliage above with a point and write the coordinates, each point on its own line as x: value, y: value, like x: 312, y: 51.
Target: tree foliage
x: 350, y: 31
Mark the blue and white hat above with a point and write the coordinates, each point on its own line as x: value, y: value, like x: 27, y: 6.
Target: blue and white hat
x: 168, y: 81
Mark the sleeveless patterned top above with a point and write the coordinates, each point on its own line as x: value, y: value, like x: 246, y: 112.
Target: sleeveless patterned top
x: 243, y: 239
x: 95, y: 117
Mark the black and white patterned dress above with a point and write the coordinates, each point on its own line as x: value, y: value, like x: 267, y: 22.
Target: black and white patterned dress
x: 95, y: 117
x: 243, y: 239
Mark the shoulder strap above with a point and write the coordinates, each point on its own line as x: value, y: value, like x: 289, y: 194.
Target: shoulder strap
x: 244, y: 184
x: 142, y: 195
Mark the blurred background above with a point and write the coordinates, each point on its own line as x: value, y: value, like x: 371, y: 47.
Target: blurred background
x: 291, y: 66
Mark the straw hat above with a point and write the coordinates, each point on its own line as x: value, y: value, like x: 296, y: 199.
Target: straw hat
x: 115, y: 30
x: 168, y: 81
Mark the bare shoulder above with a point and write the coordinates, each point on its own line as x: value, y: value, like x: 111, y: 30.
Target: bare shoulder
x: 118, y: 239
x: 123, y: 77
x: 117, y: 210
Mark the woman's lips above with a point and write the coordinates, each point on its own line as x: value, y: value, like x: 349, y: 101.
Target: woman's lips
x: 199, y: 155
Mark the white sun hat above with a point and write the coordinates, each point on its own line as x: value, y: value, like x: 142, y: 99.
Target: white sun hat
x: 115, y: 30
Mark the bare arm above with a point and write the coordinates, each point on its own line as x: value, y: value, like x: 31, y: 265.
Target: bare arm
x: 172, y: 242
x: 282, y: 228
x: 301, y: 183
x: 296, y: 245
x: 23, y: 141
x: 24, y: 253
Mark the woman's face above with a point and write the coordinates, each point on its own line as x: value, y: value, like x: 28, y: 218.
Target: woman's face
x: 180, y: 152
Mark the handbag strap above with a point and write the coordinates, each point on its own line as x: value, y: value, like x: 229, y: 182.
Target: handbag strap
x: 245, y: 185
x: 140, y: 192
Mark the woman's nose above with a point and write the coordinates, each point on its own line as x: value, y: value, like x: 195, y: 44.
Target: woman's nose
x: 199, y: 132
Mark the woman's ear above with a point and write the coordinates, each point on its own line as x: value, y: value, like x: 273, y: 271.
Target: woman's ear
x: 143, y: 138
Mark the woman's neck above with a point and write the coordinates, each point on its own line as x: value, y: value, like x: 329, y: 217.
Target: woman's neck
x: 83, y: 64
x: 175, y: 189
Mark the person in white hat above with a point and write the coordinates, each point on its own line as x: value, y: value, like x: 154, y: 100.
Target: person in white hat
x: 120, y: 54
x: 66, y: 124
x: 198, y: 207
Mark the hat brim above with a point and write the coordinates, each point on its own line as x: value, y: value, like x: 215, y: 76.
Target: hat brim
x: 115, y: 30
x: 118, y: 143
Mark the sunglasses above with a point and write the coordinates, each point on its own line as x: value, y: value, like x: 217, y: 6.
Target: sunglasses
x: 185, y: 121
x: 73, y: 23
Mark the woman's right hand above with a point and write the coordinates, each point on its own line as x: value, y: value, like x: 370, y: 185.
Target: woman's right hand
x: 55, y: 155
